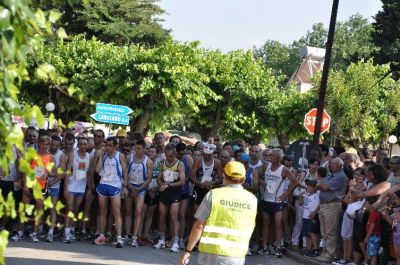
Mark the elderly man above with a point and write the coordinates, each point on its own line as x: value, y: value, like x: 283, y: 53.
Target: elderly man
x: 332, y: 190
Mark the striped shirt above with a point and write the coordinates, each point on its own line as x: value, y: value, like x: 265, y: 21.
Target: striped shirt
x: 337, y: 184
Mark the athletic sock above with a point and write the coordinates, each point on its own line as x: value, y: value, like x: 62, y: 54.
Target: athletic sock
x: 51, y: 231
x: 176, y: 240
x: 162, y: 236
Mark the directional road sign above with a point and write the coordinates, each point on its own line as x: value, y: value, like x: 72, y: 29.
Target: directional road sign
x: 109, y: 118
x: 112, y: 109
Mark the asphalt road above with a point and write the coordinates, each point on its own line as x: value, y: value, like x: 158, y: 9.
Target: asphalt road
x: 28, y: 253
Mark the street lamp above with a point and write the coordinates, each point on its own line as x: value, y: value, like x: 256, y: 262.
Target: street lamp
x: 392, y: 140
x: 50, y: 107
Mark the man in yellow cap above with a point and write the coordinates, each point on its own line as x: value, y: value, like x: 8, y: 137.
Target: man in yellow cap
x: 224, y: 222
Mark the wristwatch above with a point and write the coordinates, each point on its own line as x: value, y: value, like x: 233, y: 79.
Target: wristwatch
x: 187, y: 250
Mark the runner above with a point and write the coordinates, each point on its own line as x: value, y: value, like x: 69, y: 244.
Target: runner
x: 273, y: 199
x: 140, y: 171
x: 40, y: 166
x: 206, y: 173
x: 75, y: 185
x: 93, y: 180
x: 187, y: 161
x: 170, y: 180
x: 112, y: 169
x: 54, y: 184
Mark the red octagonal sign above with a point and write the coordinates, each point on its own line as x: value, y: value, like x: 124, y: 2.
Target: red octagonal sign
x: 311, y: 117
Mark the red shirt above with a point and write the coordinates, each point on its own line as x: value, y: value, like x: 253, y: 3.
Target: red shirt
x: 375, y: 218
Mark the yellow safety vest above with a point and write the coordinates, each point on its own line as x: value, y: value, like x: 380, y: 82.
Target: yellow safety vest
x: 231, y: 222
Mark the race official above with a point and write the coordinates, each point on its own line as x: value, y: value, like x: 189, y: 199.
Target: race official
x: 224, y: 222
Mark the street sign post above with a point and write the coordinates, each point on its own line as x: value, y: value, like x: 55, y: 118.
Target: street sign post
x: 311, y: 116
x: 112, y: 109
x: 107, y: 118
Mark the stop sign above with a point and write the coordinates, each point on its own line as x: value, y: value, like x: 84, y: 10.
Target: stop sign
x: 311, y: 117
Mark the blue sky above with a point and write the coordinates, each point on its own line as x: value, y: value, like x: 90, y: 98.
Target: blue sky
x: 239, y: 24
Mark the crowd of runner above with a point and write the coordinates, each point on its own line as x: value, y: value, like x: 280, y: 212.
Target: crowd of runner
x: 342, y: 207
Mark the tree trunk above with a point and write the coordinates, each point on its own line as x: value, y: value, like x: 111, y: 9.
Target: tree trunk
x: 140, y: 124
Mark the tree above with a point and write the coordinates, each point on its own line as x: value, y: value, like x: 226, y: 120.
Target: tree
x: 352, y: 43
x: 21, y: 30
x: 159, y: 84
x: 364, y: 109
x: 122, y: 22
x: 387, y: 34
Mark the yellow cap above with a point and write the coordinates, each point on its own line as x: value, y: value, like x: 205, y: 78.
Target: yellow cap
x: 122, y: 133
x: 235, y: 169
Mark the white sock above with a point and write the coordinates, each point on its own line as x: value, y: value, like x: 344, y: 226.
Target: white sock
x: 67, y: 230
x: 51, y: 231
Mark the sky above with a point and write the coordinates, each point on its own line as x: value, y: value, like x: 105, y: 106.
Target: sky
x: 242, y: 24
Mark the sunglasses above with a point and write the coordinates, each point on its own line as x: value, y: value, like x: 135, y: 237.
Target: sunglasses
x: 125, y: 150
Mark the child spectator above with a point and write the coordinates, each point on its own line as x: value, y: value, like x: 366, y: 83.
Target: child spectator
x: 310, y: 204
x: 373, y: 236
x: 393, y: 218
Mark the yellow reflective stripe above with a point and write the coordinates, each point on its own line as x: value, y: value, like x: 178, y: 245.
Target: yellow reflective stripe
x: 227, y: 231
x: 224, y: 242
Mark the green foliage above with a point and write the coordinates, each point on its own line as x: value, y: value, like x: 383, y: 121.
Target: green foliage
x: 363, y: 110
x: 387, y: 34
x: 352, y: 43
x: 122, y: 22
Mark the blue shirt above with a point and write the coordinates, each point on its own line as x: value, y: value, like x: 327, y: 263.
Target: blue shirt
x: 337, y: 184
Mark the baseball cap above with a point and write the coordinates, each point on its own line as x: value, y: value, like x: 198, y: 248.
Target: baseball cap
x: 209, y: 148
x: 235, y: 169
x: 244, y: 157
x: 122, y: 133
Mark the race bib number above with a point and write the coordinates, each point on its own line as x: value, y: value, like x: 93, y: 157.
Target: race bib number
x: 108, y: 175
x: 40, y: 172
x: 134, y: 179
x: 271, y: 185
x: 153, y: 184
x: 135, y: 176
x: 169, y: 176
x: 80, y: 175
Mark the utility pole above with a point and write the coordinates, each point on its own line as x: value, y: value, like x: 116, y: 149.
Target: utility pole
x: 325, y: 74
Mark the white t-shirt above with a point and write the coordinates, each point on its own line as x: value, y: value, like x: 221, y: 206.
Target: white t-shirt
x: 311, y: 202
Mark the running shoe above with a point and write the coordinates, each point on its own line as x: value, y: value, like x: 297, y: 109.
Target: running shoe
x: 175, y: 248
x: 340, y: 262
x: 120, y: 243
x: 263, y: 251
x: 160, y: 244
x: 17, y: 237
x: 100, y: 240
x: 67, y: 238
x: 34, y: 238
x: 278, y: 253
x: 49, y: 238
x: 134, y: 242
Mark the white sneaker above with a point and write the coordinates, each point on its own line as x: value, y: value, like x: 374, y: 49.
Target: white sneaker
x: 67, y: 238
x: 34, y: 238
x: 49, y: 238
x: 17, y: 237
x: 160, y: 244
x: 134, y: 242
x: 175, y: 248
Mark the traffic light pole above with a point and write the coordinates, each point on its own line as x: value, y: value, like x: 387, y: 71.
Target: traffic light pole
x: 325, y: 74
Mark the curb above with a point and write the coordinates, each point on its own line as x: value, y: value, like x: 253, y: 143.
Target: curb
x: 296, y: 256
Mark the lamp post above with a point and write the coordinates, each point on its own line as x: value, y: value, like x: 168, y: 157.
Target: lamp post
x: 392, y: 140
x: 50, y: 107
